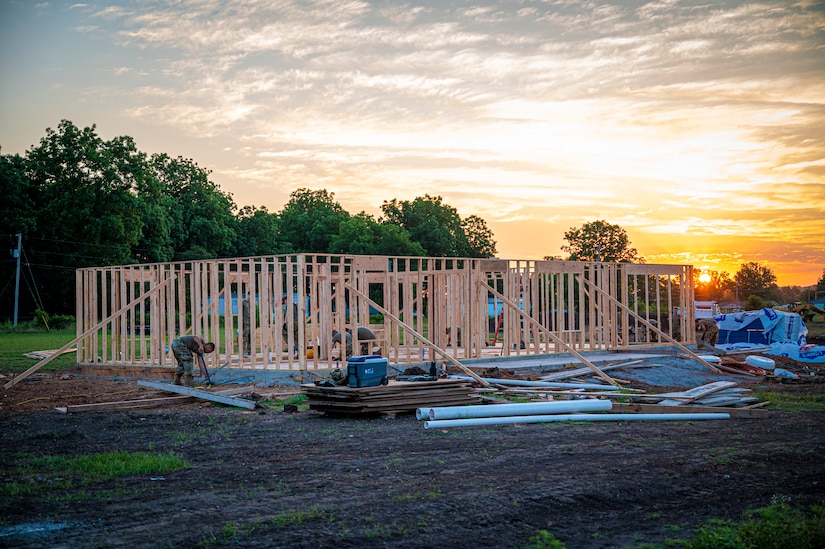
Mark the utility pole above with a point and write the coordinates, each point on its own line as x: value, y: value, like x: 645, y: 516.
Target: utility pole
x: 17, y: 279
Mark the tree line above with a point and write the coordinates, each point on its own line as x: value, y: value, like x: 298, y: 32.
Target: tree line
x: 82, y: 201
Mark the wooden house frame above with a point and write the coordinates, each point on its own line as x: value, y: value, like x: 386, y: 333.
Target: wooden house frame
x: 421, y: 309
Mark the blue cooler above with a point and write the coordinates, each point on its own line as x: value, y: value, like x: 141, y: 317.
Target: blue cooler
x: 366, y: 371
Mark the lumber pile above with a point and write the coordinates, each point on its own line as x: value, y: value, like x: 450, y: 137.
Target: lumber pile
x: 394, y: 398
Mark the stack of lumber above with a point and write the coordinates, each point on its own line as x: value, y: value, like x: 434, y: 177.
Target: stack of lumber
x: 40, y: 355
x: 393, y: 398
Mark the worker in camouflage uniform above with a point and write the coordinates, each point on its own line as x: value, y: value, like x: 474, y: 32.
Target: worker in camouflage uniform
x: 184, y: 348
x: 366, y: 337
x: 707, y: 333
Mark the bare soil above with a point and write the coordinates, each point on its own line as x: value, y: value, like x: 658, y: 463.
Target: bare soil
x: 267, y: 478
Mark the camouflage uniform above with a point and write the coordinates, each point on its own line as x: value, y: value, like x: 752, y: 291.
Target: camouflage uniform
x: 336, y: 378
x: 184, y: 348
x: 707, y: 331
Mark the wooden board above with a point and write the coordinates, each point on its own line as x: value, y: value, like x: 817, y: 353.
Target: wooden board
x: 125, y: 404
x: 695, y: 393
x: 199, y: 393
x: 657, y: 409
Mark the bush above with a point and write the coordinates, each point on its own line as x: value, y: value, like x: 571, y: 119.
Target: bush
x: 52, y: 322
x: 754, y: 303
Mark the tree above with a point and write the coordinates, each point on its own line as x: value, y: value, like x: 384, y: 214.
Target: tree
x: 88, y: 208
x: 18, y: 215
x: 203, y: 225
x: 434, y: 225
x: 311, y: 219
x: 821, y: 282
x: 18, y: 211
x: 599, y: 241
x: 362, y: 234
x: 717, y: 285
x: 480, y: 241
x: 259, y: 233
x: 755, y: 279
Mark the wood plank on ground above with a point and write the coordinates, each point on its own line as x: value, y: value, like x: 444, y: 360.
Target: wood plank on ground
x: 566, y: 374
x: 695, y: 393
x: 657, y: 409
x: 125, y: 404
x: 199, y: 393
x: 136, y: 404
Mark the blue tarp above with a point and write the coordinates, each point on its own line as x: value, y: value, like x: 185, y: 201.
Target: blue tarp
x: 762, y: 327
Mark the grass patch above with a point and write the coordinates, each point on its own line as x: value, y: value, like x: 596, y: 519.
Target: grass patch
x: 777, y: 526
x: 17, y: 341
x: 298, y: 518
x: 299, y: 400
x: 544, y: 540
x: 792, y: 403
x: 35, y: 475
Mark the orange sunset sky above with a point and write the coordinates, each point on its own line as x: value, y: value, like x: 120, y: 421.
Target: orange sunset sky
x: 699, y: 128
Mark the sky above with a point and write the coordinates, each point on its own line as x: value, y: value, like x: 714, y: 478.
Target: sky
x: 698, y: 127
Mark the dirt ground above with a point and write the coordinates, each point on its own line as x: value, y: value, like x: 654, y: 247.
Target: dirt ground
x: 267, y: 478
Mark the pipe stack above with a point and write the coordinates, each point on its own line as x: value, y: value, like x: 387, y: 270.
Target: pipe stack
x: 539, y: 412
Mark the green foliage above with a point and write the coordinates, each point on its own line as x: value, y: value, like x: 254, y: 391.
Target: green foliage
x: 717, y: 535
x: 777, y: 526
x: 18, y: 208
x: 792, y: 403
x: 754, y: 303
x: 15, y: 341
x: 37, y: 474
x: 544, y: 540
x: 821, y: 282
x: 439, y: 229
x: 753, y: 278
x: 715, y: 289
x: 310, y: 220
x: 200, y: 213
x: 480, y: 241
x: 362, y: 234
x: 599, y: 241
x: 53, y: 322
x: 259, y: 233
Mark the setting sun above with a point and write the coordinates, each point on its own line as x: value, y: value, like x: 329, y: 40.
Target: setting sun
x: 704, y: 278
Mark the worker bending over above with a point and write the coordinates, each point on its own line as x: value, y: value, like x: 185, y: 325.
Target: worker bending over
x: 365, y: 337
x: 707, y: 333
x: 183, y: 349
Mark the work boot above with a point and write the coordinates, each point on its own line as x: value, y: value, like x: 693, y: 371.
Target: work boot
x: 177, y: 379
x: 189, y: 381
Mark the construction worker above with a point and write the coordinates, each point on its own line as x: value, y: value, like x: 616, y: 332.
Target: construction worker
x: 183, y: 349
x: 365, y: 336
x: 707, y: 333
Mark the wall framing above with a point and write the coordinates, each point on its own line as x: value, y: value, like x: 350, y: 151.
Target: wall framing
x: 461, y: 308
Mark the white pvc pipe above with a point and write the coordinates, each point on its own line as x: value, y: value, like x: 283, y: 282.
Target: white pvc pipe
x: 444, y: 423
x: 525, y: 383
x: 526, y: 409
x: 422, y: 413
